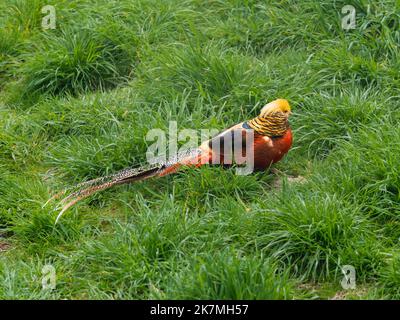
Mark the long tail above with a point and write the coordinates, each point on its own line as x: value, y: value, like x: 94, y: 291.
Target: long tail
x: 85, y: 189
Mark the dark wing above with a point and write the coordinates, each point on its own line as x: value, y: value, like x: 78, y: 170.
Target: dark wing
x: 231, y: 145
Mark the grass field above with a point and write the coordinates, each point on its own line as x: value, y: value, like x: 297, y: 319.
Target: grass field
x: 76, y: 102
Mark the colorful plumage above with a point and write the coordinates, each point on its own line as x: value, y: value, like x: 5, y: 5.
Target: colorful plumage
x: 271, y: 141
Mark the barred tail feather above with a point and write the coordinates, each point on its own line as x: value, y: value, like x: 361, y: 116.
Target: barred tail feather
x: 79, y: 185
x: 86, y: 189
x: 82, y: 194
x: 97, y: 184
x: 92, y: 182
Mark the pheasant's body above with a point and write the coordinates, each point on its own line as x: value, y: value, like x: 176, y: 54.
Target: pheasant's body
x: 271, y: 139
x: 271, y: 150
x: 266, y: 152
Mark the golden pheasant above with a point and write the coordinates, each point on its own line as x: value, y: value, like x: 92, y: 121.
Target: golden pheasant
x: 267, y: 138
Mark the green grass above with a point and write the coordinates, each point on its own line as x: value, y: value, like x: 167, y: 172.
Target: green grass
x: 77, y: 102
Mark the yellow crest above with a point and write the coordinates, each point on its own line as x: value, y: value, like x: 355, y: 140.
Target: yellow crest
x: 276, y: 106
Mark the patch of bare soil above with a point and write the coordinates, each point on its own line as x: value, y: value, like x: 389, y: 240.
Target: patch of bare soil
x: 4, y: 246
x: 340, y: 295
x: 350, y: 294
x: 278, y: 181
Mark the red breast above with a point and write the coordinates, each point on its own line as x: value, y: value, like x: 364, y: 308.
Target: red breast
x: 271, y: 150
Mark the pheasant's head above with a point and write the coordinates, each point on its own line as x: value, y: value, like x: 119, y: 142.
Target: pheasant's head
x: 273, y: 119
x: 278, y: 107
